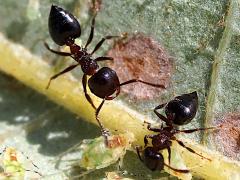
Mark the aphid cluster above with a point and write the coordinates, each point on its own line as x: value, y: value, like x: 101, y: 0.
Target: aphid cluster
x: 96, y: 154
x: 179, y: 111
x: 12, y: 166
x: 104, y: 83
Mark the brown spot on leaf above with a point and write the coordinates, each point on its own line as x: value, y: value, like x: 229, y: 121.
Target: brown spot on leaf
x: 141, y: 57
x: 228, y: 138
x: 95, y: 5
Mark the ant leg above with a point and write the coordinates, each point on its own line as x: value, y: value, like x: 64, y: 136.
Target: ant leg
x: 146, y: 139
x: 104, y: 131
x: 91, y: 33
x: 34, y: 172
x: 138, y: 80
x: 84, y: 84
x: 194, y: 130
x: 168, y: 122
x: 60, y: 73
x: 99, y: 44
x: 169, y: 155
x: 152, y: 129
x: 189, y: 149
x: 103, y: 58
x: 177, y: 170
x: 138, y: 153
x: 57, y: 52
x: 112, y: 97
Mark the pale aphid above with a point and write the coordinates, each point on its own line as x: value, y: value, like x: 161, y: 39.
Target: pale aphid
x: 12, y: 166
x: 115, y: 176
x: 96, y: 154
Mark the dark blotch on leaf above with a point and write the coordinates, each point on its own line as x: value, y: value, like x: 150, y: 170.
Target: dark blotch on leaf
x: 141, y: 57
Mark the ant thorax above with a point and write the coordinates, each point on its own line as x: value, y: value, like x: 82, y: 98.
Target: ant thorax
x: 162, y: 140
x: 89, y: 66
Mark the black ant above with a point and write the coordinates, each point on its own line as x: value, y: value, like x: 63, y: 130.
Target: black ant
x: 64, y: 29
x: 179, y: 111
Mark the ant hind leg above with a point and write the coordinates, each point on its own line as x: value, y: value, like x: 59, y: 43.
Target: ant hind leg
x: 177, y: 170
x: 189, y: 149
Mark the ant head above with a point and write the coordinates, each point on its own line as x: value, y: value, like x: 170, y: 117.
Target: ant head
x: 104, y: 83
x: 63, y: 26
x: 182, y: 109
x: 152, y: 159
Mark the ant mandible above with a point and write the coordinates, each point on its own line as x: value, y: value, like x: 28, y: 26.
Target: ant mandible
x: 179, y: 111
x: 64, y: 29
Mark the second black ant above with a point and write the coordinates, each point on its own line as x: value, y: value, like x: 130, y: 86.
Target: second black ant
x: 179, y: 111
x: 64, y: 29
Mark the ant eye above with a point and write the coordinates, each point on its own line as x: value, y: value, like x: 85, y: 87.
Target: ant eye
x: 183, y: 108
x: 63, y: 26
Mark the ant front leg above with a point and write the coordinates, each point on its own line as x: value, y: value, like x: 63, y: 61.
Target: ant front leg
x: 84, y: 84
x: 99, y: 44
x: 166, y: 120
x: 61, y: 73
x: 91, y: 33
x: 57, y: 52
x: 104, y: 131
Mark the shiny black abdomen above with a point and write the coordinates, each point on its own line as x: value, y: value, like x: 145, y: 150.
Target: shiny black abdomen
x: 104, y: 83
x: 62, y: 25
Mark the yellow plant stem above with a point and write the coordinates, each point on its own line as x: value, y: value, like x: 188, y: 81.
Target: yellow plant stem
x: 18, y: 62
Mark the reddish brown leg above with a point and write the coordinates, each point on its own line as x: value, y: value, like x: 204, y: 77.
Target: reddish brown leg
x: 99, y: 44
x: 57, y: 52
x: 84, y: 84
x: 61, y: 73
